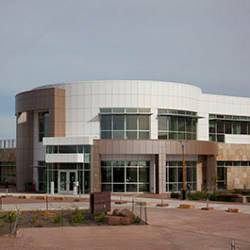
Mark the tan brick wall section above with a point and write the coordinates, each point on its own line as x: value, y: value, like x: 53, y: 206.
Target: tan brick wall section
x: 238, y: 177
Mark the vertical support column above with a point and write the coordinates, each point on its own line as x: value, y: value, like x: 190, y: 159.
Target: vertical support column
x: 96, y: 170
x: 199, y: 174
x: 152, y: 178
x: 211, y: 173
x: 24, y: 150
x: 153, y: 124
x: 162, y: 173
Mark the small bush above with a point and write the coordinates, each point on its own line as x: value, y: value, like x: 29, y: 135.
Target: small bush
x: 224, y: 197
x: 213, y: 196
x: 77, y: 218
x: 58, y: 219
x: 100, y: 217
x: 11, y: 216
x: 175, y: 195
x: 1, y: 224
x: 3, y: 216
x: 137, y: 220
x: 198, y: 196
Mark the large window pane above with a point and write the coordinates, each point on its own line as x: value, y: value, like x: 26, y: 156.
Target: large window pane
x: 174, y: 124
x: 131, y: 188
x: 131, y: 134
x: 173, y: 174
x: 118, y: 122
x: 118, y: 174
x: 43, y: 125
x: 163, y: 123
x: 173, y: 135
x: 69, y: 149
x: 144, y: 174
x: 131, y: 174
x: 189, y: 173
x: 180, y: 176
x: 143, y: 187
x: 220, y: 127
x: 118, y: 134
x: 106, y: 135
x: 228, y: 127
x: 173, y: 187
x: 131, y: 122
x: 243, y: 128
x: 163, y: 135
x: 106, y: 122
x: 188, y: 124
x: 181, y: 124
x: 181, y: 136
x: 194, y: 125
x: 143, y: 122
x: 106, y: 187
x: 236, y: 128
x: 143, y: 135
x: 106, y: 174
x: 118, y: 188
x: 212, y: 125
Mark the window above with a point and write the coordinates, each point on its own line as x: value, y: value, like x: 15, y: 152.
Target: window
x: 174, y: 175
x: 129, y: 123
x: 125, y: 176
x: 43, y: 124
x: 177, y: 124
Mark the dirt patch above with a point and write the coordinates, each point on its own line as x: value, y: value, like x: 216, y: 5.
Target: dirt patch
x: 53, y: 218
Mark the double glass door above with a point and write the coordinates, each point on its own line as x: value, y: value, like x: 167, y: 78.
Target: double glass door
x: 66, y: 179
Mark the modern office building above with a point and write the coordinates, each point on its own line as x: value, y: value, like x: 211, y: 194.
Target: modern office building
x: 129, y: 136
x: 7, y: 162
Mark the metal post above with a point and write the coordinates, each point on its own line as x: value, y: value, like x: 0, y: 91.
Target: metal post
x: 140, y: 210
x: 1, y: 203
x: 232, y: 244
x: 146, y: 215
x: 62, y: 217
x: 52, y: 187
x: 47, y: 203
x: 183, y: 173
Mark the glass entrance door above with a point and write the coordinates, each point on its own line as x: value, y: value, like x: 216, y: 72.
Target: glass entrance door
x: 66, y: 179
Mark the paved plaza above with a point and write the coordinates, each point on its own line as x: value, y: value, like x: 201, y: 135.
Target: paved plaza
x: 169, y: 228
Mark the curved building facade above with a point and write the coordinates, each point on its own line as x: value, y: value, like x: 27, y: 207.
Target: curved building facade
x: 127, y: 136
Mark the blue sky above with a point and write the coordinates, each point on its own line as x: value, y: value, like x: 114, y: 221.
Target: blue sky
x: 205, y: 43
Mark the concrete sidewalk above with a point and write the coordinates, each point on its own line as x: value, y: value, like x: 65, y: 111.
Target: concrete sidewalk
x: 244, y: 208
x: 169, y: 229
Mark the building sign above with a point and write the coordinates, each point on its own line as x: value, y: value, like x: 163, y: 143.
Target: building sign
x: 100, y: 202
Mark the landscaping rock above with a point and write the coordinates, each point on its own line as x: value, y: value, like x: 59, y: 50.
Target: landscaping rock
x: 112, y: 220
x: 162, y: 205
x: 126, y: 213
x: 118, y: 220
x: 120, y: 202
x: 116, y: 212
x: 186, y: 206
x: 233, y: 210
x: 207, y: 208
x: 126, y: 220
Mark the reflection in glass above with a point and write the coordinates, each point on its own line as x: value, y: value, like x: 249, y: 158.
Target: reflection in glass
x: 118, y: 122
x: 131, y: 174
x: 106, y: 122
x: 118, y: 188
x: 131, y: 121
x: 143, y: 122
x: 118, y: 174
x: 106, y: 174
